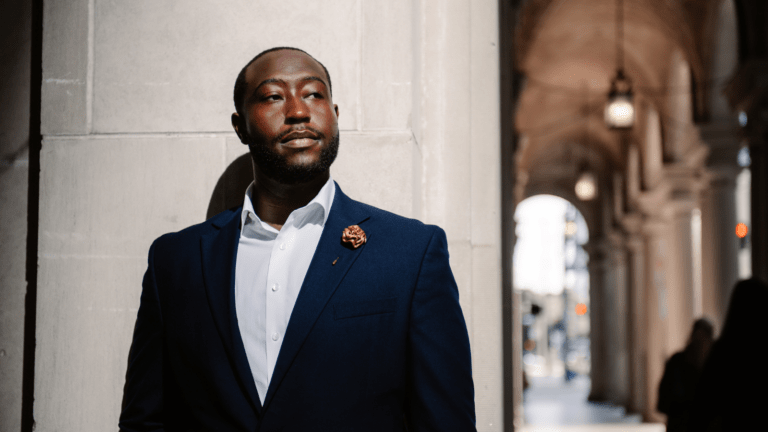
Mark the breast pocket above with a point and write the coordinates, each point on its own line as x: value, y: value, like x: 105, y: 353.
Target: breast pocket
x: 344, y: 310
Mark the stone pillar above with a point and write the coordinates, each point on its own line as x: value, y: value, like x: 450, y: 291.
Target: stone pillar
x: 684, y: 183
x: 611, y: 338
x: 637, y: 331
x: 418, y: 91
x: 656, y: 312
x: 617, y: 336
x: 672, y: 273
x: 597, y: 323
x: 719, y: 265
x: 681, y: 290
x: 457, y: 126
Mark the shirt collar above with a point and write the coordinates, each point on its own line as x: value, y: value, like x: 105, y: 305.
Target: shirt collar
x: 321, y: 202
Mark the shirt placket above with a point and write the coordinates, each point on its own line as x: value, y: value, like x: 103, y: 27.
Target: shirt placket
x: 277, y: 289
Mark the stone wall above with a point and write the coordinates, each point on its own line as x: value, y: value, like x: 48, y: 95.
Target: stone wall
x: 136, y: 104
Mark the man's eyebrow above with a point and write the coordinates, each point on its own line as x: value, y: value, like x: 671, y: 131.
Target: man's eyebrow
x: 269, y: 81
x: 315, y: 78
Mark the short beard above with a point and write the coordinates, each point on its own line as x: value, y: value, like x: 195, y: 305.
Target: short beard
x: 276, y: 167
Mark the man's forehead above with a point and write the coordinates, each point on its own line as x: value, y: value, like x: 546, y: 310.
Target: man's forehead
x: 283, y: 63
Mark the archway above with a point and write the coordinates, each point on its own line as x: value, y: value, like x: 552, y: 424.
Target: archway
x: 551, y: 279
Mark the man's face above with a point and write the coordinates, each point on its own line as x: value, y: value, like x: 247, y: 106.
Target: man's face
x: 290, y: 122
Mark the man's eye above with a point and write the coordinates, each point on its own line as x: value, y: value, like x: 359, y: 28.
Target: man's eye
x: 315, y: 95
x: 272, y: 97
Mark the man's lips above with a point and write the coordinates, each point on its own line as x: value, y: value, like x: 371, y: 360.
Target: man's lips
x: 299, y: 135
x: 301, y: 138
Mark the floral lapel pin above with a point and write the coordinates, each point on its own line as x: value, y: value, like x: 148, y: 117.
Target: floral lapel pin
x: 353, y: 237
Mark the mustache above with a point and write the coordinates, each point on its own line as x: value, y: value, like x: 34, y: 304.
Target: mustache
x: 284, y: 134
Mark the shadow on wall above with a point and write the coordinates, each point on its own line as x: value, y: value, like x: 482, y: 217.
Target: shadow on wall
x: 230, y: 188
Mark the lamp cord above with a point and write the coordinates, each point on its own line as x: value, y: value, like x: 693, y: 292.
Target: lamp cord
x: 620, y: 35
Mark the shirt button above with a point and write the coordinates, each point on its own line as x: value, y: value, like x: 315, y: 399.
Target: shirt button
x: 282, y: 246
x: 275, y: 287
x: 275, y: 336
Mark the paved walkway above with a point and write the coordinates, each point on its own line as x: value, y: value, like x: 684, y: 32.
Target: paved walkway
x: 552, y: 405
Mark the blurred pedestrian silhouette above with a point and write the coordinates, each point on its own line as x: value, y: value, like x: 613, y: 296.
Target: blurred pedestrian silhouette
x: 732, y: 390
x: 681, y: 375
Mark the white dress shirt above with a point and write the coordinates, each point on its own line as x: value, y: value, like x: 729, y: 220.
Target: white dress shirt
x: 269, y: 272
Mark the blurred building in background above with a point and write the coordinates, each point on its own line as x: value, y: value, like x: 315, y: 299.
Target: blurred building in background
x: 649, y: 117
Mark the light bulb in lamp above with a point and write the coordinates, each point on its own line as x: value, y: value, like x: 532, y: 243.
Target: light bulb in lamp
x: 586, y: 187
x: 619, y: 112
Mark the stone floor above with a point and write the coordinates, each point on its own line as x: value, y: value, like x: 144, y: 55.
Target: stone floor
x: 552, y: 405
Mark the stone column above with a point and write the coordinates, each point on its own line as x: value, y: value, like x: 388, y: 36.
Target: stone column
x: 656, y: 246
x: 614, y: 313
x: 460, y: 188
x: 419, y: 110
x: 681, y: 295
x: 684, y: 183
x: 718, y: 220
x: 608, y: 320
x: 597, y: 323
x: 637, y: 331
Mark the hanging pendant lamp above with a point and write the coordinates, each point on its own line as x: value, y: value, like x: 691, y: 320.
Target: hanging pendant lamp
x: 620, y: 109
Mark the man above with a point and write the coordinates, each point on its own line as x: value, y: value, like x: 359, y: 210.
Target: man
x: 303, y: 310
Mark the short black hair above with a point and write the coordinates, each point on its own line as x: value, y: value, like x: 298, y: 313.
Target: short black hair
x: 240, y: 83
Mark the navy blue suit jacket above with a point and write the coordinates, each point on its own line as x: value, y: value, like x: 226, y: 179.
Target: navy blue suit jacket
x: 376, y: 341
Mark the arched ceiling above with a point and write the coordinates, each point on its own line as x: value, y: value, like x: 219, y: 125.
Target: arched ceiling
x: 566, y: 49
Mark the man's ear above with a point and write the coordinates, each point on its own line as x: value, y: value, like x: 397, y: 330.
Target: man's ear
x: 237, y: 124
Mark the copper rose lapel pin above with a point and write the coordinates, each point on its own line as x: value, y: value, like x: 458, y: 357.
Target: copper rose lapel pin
x: 353, y: 237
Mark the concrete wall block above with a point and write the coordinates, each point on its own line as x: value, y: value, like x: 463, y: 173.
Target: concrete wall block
x: 485, y: 119
x: 85, y: 315
x: 387, y: 65
x: 65, y: 68
x: 445, y: 120
x: 376, y: 169
x: 171, y: 66
x: 113, y: 196
x: 487, y: 362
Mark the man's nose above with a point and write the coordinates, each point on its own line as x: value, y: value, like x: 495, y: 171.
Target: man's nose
x: 297, y: 110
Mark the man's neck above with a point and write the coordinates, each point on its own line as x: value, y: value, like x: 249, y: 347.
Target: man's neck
x: 273, y: 202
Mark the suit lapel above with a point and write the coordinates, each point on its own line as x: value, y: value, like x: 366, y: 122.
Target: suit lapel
x: 323, y: 276
x: 219, y: 252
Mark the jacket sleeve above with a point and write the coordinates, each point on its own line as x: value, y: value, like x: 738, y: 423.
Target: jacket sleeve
x: 440, y: 388
x: 142, y: 409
